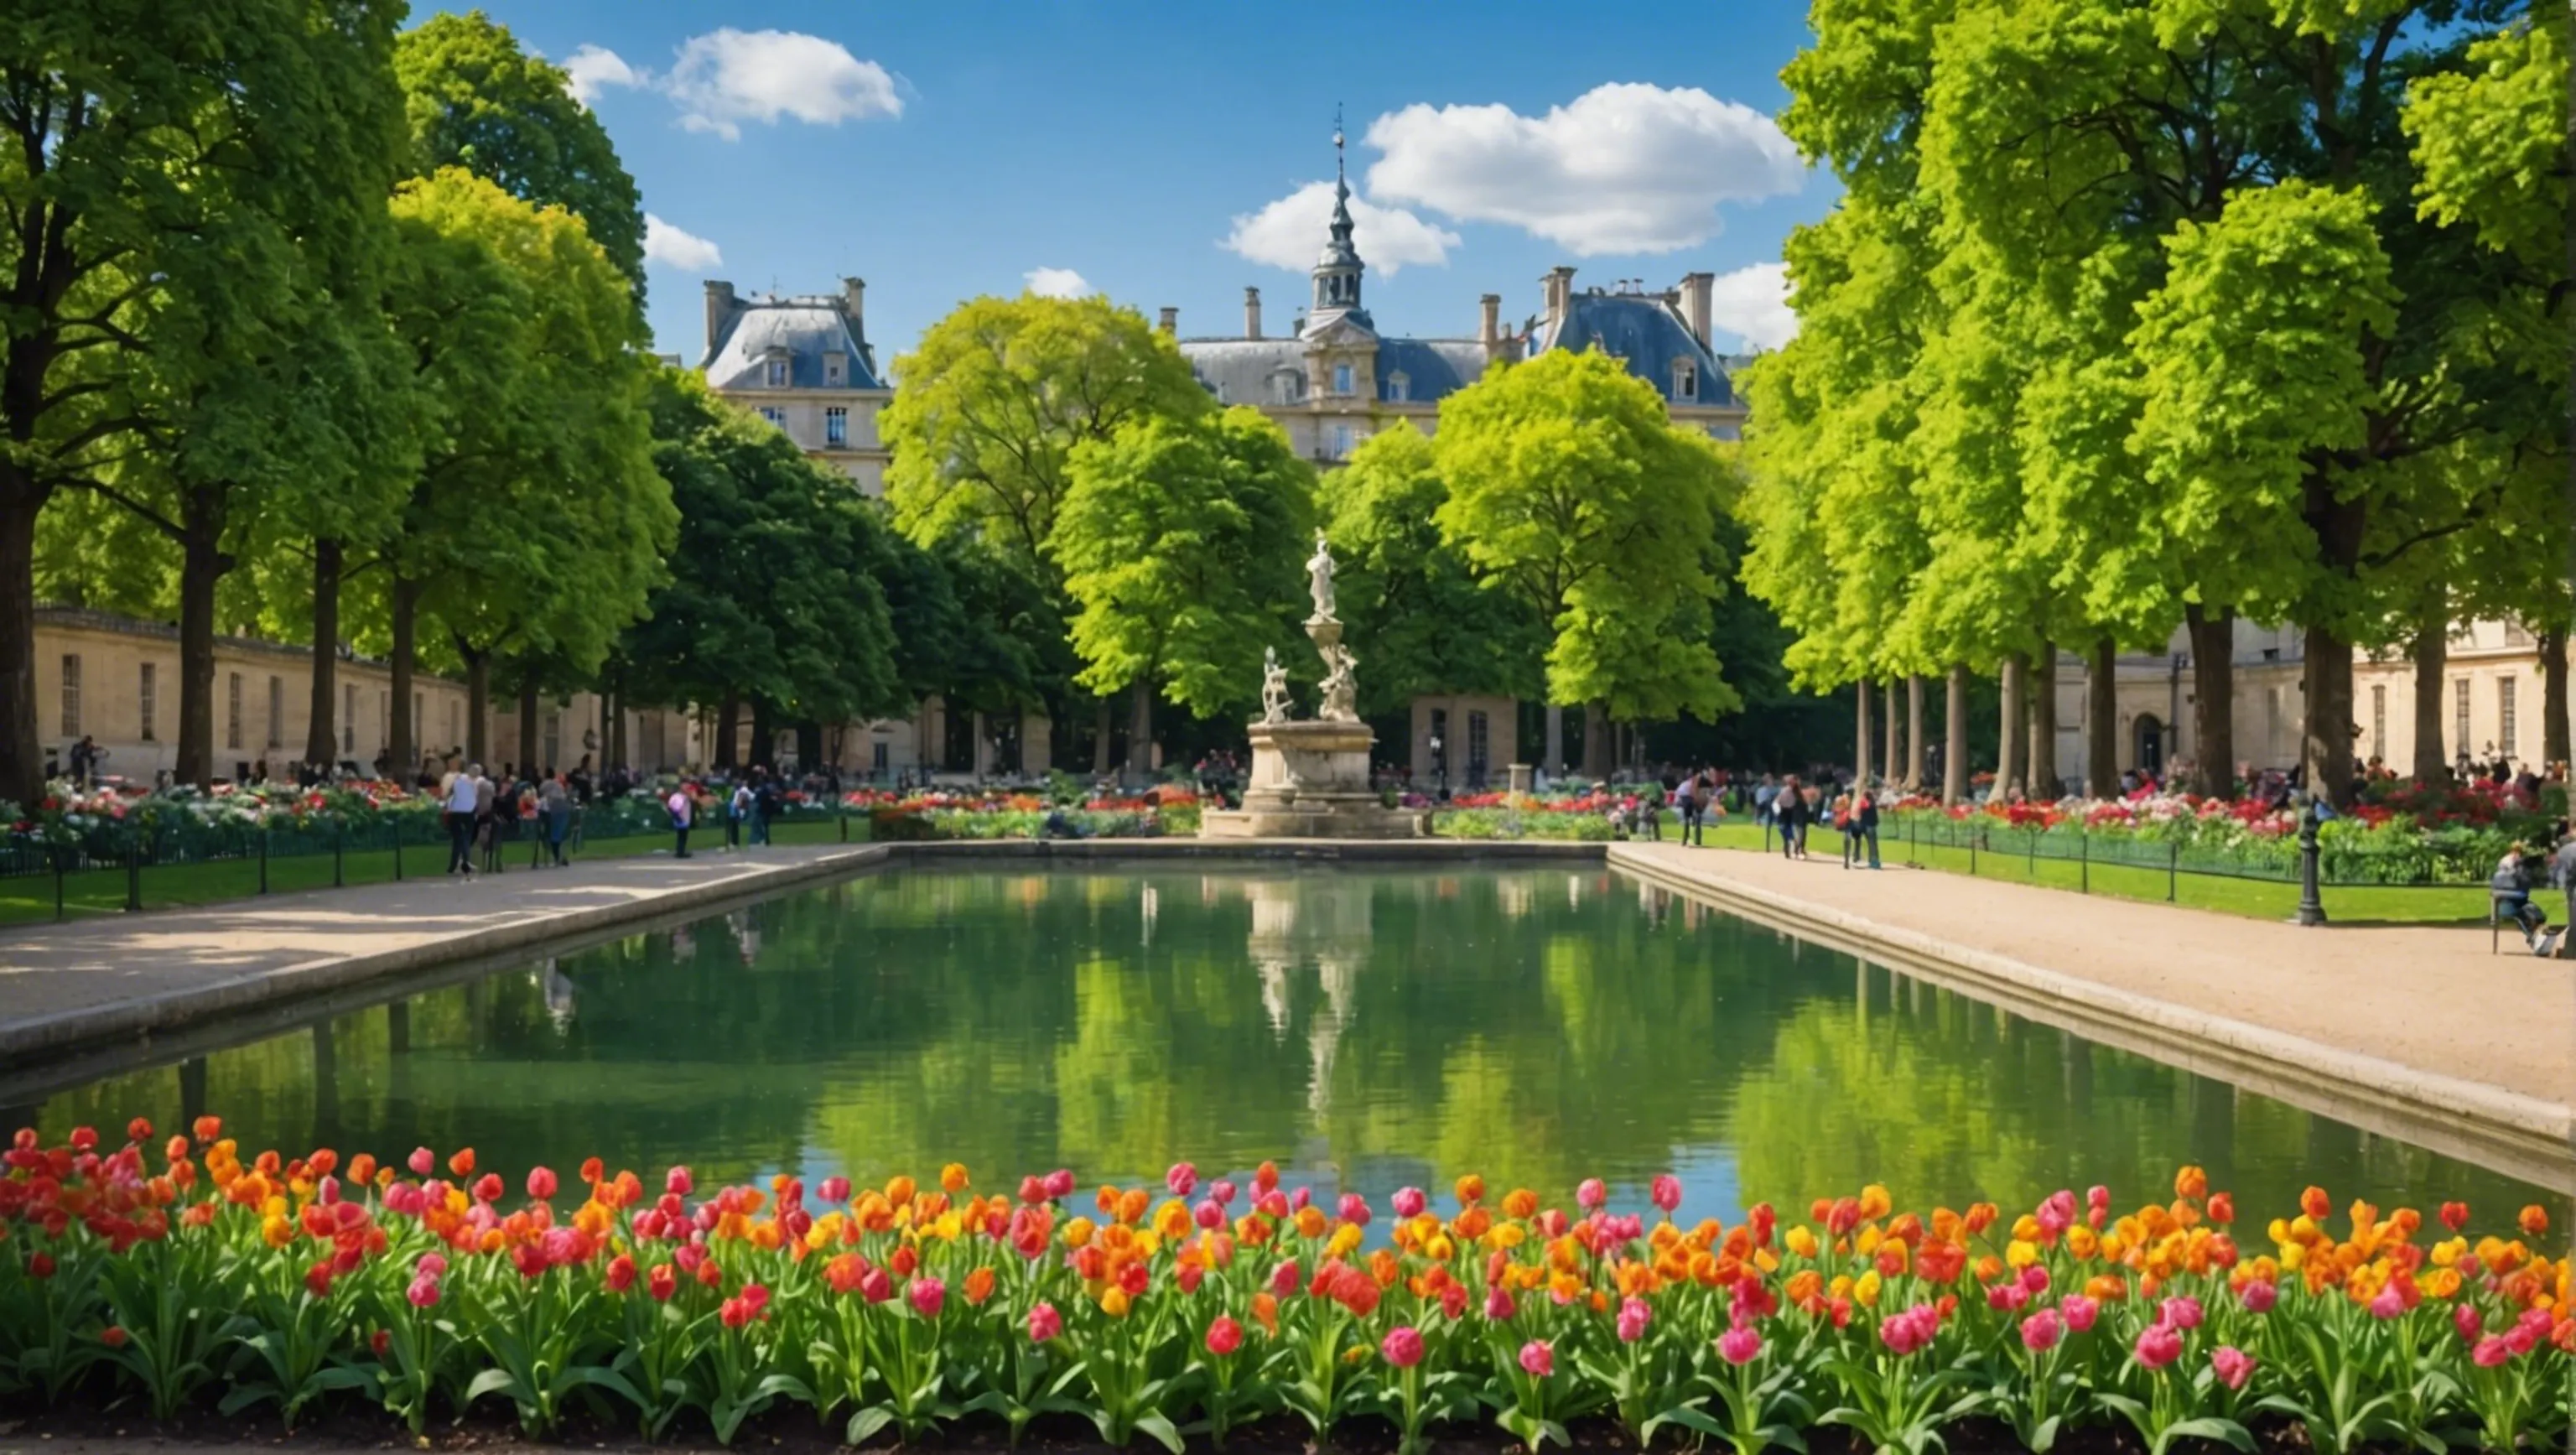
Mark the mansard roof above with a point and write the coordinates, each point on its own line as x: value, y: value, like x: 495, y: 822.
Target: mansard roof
x: 805, y: 329
x: 1645, y: 332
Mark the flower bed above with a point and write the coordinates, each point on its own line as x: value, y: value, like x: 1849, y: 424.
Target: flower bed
x: 995, y: 815
x: 2456, y: 837
x: 1583, y: 816
x: 174, y: 1274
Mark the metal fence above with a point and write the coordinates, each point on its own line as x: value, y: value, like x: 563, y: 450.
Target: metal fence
x: 137, y: 863
x: 2339, y: 867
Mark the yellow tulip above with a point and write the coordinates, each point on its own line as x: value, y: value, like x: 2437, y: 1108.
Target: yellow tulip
x: 1865, y: 1292
x: 2021, y: 1254
x: 1801, y: 1241
x: 1113, y: 1301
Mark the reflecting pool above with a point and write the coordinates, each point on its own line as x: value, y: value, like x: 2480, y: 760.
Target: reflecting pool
x: 1366, y: 1029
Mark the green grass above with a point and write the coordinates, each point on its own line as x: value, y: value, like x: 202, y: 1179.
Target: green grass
x: 30, y: 900
x: 2252, y: 898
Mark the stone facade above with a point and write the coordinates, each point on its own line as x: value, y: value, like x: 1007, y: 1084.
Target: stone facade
x: 2492, y: 701
x: 804, y: 364
x: 116, y: 680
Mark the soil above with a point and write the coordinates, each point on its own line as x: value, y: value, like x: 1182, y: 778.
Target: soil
x: 26, y: 1429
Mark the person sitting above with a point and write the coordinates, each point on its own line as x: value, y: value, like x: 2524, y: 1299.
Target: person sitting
x: 2511, y: 887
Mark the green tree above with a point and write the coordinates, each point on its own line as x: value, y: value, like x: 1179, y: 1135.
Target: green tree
x: 1410, y: 595
x: 475, y: 100
x: 536, y: 523
x: 1181, y: 541
x: 147, y: 146
x: 774, y: 592
x: 1571, y: 489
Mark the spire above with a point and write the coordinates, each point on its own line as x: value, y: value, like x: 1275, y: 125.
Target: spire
x: 1337, y: 271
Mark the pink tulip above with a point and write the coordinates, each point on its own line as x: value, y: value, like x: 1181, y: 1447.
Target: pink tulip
x: 876, y: 1286
x: 2007, y: 1297
x: 2159, y: 1344
x: 433, y: 1265
x: 1402, y: 1347
x: 1740, y: 1345
x: 1210, y: 1213
x: 1285, y: 1278
x: 2260, y: 1295
x: 2464, y: 1317
x: 1538, y: 1357
x: 835, y: 1190
x: 423, y: 1161
x: 2057, y: 1214
x: 2182, y: 1311
x: 541, y: 1183
x: 1222, y: 1191
x: 2490, y: 1352
x: 1301, y: 1199
x: 2080, y: 1312
x: 1634, y: 1314
x: 1224, y: 1336
x: 423, y: 1292
x: 1498, y: 1303
x: 1044, y: 1323
x: 1355, y: 1210
x: 1182, y: 1179
x: 1059, y: 1184
x: 678, y: 1181
x: 928, y: 1295
x: 2041, y: 1331
x: 1409, y: 1202
x: 2034, y: 1280
x: 1666, y: 1192
x: 1591, y: 1193
x: 2389, y: 1303
x: 2232, y: 1365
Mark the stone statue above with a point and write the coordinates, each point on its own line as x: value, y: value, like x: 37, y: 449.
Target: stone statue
x: 1319, y: 573
x: 1341, y: 688
x: 1274, y: 687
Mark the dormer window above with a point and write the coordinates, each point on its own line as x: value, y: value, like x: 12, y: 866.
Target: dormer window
x: 1398, y: 387
x: 1286, y: 386
x: 774, y: 372
x: 1341, y: 378
x: 1685, y: 379
x: 836, y: 370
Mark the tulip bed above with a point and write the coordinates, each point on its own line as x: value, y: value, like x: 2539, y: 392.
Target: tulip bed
x: 176, y: 1274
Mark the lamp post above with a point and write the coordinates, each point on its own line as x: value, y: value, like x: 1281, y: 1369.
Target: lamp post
x: 1440, y: 765
x: 2312, y: 910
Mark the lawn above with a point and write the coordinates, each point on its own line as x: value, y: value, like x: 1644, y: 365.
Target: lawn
x: 2255, y: 898
x: 30, y: 899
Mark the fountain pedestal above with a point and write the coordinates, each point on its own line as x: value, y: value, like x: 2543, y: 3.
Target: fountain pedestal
x: 1310, y: 780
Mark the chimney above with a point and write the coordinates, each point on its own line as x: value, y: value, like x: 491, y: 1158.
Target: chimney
x: 1699, y: 292
x: 854, y: 302
x: 1252, y: 313
x: 1489, y: 326
x: 1560, y: 295
x: 1171, y: 321
x: 720, y: 306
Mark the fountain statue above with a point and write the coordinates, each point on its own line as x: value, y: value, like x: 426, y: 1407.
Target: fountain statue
x: 1311, y: 779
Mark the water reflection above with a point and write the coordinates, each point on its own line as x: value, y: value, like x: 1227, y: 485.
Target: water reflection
x: 1539, y: 1026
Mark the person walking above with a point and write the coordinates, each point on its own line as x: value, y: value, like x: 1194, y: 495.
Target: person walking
x: 554, y: 809
x: 1865, y: 825
x: 460, y: 824
x: 2511, y: 887
x: 683, y: 810
x: 487, y: 827
x: 1686, y: 797
x: 737, y: 812
x: 1766, y: 803
x: 764, y: 804
x: 1789, y: 811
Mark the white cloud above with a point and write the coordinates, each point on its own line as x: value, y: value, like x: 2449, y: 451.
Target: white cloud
x: 594, y: 69
x: 1625, y: 168
x: 1290, y: 232
x: 728, y: 76
x: 1753, y: 303
x: 674, y: 248
x: 1056, y: 283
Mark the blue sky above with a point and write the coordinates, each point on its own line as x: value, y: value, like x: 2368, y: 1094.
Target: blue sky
x: 1157, y: 152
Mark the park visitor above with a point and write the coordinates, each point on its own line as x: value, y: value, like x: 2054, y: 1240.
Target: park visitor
x: 554, y: 809
x: 682, y: 811
x: 1789, y: 811
x: 1766, y: 801
x: 1864, y: 827
x: 737, y: 812
x: 460, y: 823
x: 2511, y: 887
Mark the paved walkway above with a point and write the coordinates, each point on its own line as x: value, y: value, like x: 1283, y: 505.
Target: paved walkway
x: 2412, y: 999
x: 132, y: 974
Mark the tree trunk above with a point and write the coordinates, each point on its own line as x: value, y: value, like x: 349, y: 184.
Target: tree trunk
x: 2553, y: 696
x: 2329, y: 716
x: 1890, y: 768
x: 2213, y: 707
x: 728, y: 720
x: 1554, y: 762
x: 1596, y: 742
x: 22, y: 748
x: 1100, y: 737
x: 2102, y: 721
x: 1913, y: 732
x: 404, y: 752
x: 1140, y: 732
x: 478, y: 704
x: 2431, y: 652
x: 202, y: 565
x: 764, y: 733
x: 809, y: 746
x: 2011, y: 763
x: 1861, y: 732
x: 1954, y: 740
x: 2045, y: 784
x: 617, y: 729
x: 528, y: 724
x: 321, y: 731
